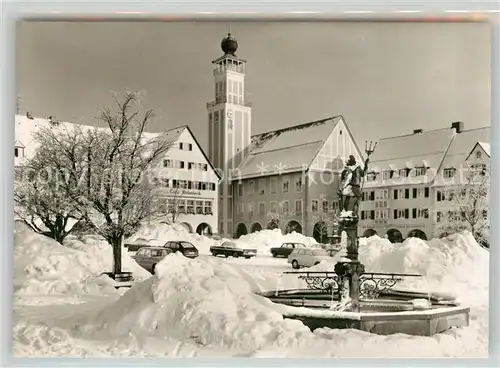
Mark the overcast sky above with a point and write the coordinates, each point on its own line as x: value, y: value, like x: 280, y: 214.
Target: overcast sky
x: 385, y: 78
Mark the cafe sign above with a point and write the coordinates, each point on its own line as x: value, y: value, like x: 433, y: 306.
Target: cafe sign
x: 185, y: 192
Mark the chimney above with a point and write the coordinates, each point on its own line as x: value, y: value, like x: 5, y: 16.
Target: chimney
x: 458, y: 126
x: 417, y: 131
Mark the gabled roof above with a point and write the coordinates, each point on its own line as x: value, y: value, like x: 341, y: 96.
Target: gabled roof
x: 18, y: 144
x: 285, y: 150
x: 435, y: 149
x: 462, y: 145
x: 460, y: 149
x: 426, y: 149
x: 486, y: 147
x: 26, y: 127
x: 175, y: 133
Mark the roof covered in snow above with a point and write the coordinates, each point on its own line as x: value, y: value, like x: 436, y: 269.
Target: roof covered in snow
x: 486, y: 147
x: 286, y: 150
x: 434, y: 149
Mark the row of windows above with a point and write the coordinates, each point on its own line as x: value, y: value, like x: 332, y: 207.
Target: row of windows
x: 284, y: 207
x: 397, y: 194
x: 394, y: 174
x: 184, y: 184
x: 416, y: 213
x: 274, y: 207
x: 190, y: 207
x: 419, y: 171
x: 273, y: 186
x: 455, y: 215
x: 182, y: 165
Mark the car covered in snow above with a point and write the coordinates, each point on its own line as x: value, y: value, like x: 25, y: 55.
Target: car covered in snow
x: 186, y: 248
x: 148, y: 257
x: 285, y: 249
x: 138, y: 244
x: 307, y: 257
x: 234, y: 249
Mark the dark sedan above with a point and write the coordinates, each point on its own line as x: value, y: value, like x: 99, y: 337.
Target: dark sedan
x: 186, y: 248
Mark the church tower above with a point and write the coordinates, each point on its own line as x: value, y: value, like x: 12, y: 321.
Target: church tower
x: 229, y: 125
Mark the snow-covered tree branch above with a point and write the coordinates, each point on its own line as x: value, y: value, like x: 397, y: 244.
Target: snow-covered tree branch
x: 39, y: 190
x: 109, y: 171
x: 469, y: 206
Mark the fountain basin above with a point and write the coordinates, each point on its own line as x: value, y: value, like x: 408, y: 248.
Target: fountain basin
x: 384, y: 316
x: 419, y: 323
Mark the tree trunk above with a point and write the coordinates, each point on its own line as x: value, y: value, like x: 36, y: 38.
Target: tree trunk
x: 117, y: 255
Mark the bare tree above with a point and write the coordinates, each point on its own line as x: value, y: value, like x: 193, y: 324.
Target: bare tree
x: 469, y: 206
x: 39, y: 196
x: 110, y: 168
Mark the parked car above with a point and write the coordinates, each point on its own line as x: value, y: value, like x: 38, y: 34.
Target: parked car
x: 234, y: 249
x: 307, y: 257
x: 186, y: 248
x: 148, y: 257
x: 138, y: 244
x: 285, y: 249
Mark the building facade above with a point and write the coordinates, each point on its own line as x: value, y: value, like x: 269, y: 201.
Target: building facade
x: 403, y: 190
x: 188, y: 183
x: 290, y: 179
x: 286, y: 178
x: 185, y: 179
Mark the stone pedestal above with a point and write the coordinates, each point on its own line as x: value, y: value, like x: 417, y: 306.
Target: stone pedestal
x: 349, y: 274
x: 349, y: 225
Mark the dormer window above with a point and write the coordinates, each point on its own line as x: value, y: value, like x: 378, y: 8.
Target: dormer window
x: 386, y: 175
x: 403, y: 173
x: 371, y: 176
x: 419, y: 171
x: 449, y: 172
x: 18, y: 149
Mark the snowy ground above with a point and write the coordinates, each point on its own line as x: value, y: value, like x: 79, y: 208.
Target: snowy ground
x: 206, y: 307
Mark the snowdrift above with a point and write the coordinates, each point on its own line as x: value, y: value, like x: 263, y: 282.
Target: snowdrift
x: 210, y: 302
x: 456, y: 265
x: 157, y: 234
x: 203, y: 300
x: 43, y: 266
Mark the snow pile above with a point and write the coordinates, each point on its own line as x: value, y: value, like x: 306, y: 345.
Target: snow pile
x: 264, y: 240
x: 43, y: 266
x: 204, y: 301
x: 157, y: 234
x: 457, y: 264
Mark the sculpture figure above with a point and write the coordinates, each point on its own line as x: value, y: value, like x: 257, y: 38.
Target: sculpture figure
x: 350, y: 186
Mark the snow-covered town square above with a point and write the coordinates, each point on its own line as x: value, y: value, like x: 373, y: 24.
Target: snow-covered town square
x: 342, y: 213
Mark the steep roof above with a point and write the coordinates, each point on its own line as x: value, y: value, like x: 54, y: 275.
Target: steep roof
x: 426, y: 148
x: 463, y: 144
x: 286, y: 150
x: 435, y: 149
x: 25, y: 128
x: 460, y: 149
x: 486, y: 147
